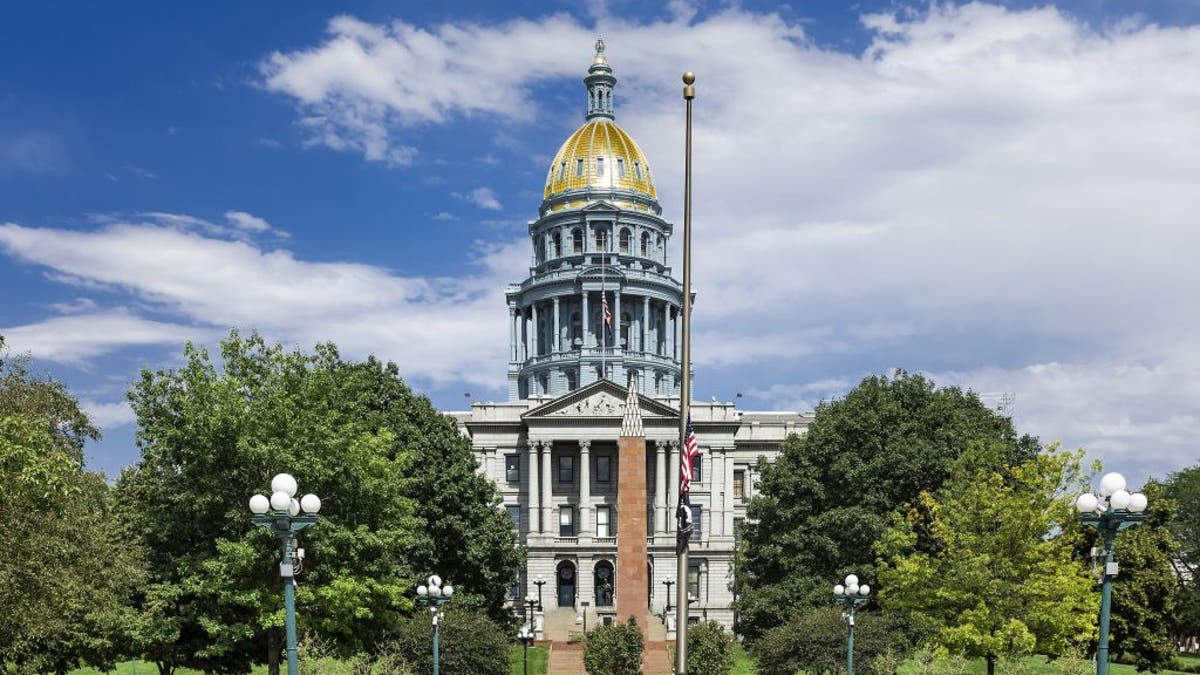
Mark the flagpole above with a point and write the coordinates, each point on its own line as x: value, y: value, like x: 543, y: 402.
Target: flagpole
x: 685, y: 382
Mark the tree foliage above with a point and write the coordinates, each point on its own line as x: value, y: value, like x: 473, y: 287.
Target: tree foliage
x: 352, y: 433
x: 998, y: 577
x: 66, y: 573
x: 469, y: 642
x: 1183, y: 488
x: 710, y: 649
x: 1144, y: 592
x: 824, y: 502
x: 814, y: 641
x: 614, y: 650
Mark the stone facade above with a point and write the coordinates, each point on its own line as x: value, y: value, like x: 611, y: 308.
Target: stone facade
x: 557, y: 450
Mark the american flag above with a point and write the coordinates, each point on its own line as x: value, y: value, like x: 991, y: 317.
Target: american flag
x: 690, y: 454
x: 604, y: 305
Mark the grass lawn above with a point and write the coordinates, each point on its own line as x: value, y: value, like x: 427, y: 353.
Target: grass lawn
x: 538, y: 658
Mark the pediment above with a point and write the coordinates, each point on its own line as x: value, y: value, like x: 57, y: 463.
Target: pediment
x: 602, y: 399
x: 600, y: 205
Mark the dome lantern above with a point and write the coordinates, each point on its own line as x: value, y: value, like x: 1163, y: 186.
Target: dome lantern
x: 600, y: 83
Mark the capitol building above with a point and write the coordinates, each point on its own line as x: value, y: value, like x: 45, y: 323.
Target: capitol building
x: 593, y: 328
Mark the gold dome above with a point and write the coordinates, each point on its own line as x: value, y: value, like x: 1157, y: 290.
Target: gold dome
x: 600, y: 156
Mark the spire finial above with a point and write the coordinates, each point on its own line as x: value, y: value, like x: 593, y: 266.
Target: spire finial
x: 599, y: 46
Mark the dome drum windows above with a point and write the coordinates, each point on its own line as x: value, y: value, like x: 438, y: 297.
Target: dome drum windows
x: 645, y: 244
x: 620, y: 167
x: 579, y: 168
x: 576, y: 240
x: 637, y: 170
x: 624, y: 240
x: 599, y: 167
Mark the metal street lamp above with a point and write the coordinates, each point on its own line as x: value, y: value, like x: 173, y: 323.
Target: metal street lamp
x: 526, y: 638
x: 582, y: 618
x: 529, y: 607
x: 541, y: 581
x: 851, y: 595
x: 281, y: 515
x: 435, y: 595
x: 668, y: 583
x: 1111, y: 510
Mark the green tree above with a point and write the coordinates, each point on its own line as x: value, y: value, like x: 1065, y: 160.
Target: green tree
x: 998, y: 577
x: 614, y: 650
x: 469, y: 642
x: 352, y: 433
x: 66, y: 573
x: 1183, y: 488
x: 824, y: 502
x: 1144, y: 592
x: 710, y: 649
x: 814, y: 641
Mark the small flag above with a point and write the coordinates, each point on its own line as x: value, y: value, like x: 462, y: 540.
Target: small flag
x: 604, y: 305
x: 683, y: 515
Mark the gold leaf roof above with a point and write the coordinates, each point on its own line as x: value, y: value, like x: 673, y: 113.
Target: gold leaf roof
x: 624, y: 165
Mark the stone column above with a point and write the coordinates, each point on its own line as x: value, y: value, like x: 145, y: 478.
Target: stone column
x: 729, y: 492
x: 586, y: 324
x: 672, y: 485
x: 557, y: 343
x: 644, y: 333
x: 617, y: 317
x: 666, y: 326
x: 534, y: 323
x: 660, y: 486
x: 534, y: 511
x: 548, y: 522
x: 512, y: 333
x: 585, y: 489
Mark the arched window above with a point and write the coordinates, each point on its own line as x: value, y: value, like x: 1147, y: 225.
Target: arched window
x: 624, y: 240
x: 576, y: 331
x: 601, y: 237
x: 645, y: 244
x: 626, y: 321
x: 662, y: 337
x: 604, y: 584
x: 557, y: 245
x: 572, y: 380
x: 565, y: 577
x: 576, y: 240
x: 662, y: 250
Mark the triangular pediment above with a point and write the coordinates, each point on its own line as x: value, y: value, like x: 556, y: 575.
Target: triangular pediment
x: 600, y: 205
x: 600, y: 399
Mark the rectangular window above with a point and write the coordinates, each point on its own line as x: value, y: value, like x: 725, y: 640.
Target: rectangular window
x: 739, y: 485
x: 578, y: 168
x: 637, y: 170
x: 512, y: 468
x: 693, y: 580
x: 562, y: 171
x: 566, y: 469
x: 737, y: 529
x: 514, y: 591
x: 514, y: 513
x: 603, y: 469
x: 695, y: 523
x: 620, y: 167
x: 566, y: 521
x: 696, y: 472
x: 599, y: 166
x: 603, y: 513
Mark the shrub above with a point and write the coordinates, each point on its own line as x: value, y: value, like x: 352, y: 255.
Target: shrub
x: 815, y: 641
x: 469, y: 643
x: 710, y: 649
x: 614, y: 650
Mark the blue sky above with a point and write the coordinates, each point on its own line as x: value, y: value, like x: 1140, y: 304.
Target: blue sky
x: 1000, y: 195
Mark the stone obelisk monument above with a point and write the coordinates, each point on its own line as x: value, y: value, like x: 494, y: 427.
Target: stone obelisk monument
x: 632, y: 562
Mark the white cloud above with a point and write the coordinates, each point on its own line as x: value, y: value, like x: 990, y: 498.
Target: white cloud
x: 108, y: 415
x: 246, y: 221
x: 485, y: 198
x: 440, y: 328
x: 78, y: 337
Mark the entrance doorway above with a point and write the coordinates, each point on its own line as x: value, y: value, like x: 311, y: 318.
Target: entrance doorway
x: 566, y: 578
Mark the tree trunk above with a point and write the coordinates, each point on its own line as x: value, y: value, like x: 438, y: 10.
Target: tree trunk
x: 273, y: 649
x: 991, y: 663
x: 165, y: 667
